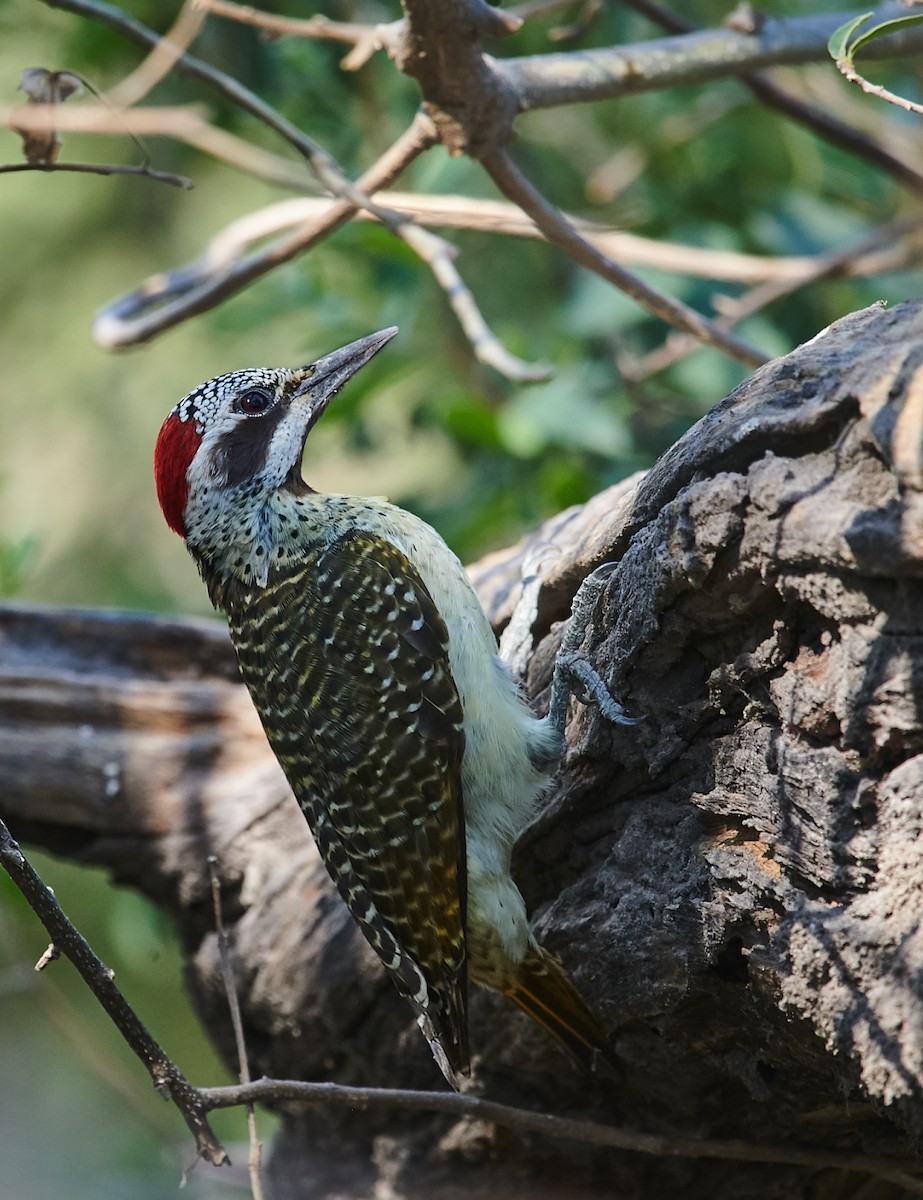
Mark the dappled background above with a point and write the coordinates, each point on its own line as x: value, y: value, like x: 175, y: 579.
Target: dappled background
x: 481, y: 457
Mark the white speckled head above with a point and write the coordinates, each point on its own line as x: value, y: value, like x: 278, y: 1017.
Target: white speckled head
x: 247, y: 430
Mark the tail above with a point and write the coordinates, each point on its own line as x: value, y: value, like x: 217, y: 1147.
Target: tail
x: 543, y: 990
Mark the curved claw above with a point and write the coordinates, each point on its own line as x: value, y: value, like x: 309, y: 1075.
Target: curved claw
x: 585, y: 682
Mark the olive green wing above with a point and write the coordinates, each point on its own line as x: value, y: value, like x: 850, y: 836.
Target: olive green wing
x: 346, y: 659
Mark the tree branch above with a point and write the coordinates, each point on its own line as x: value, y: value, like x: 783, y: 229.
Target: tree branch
x: 147, y: 311
x: 166, y: 1076
x: 185, y: 124
x: 578, y: 77
x: 861, y: 257
x: 162, y: 58
x: 500, y: 217
x: 849, y: 72
x: 179, y: 181
x: 170, y: 298
x: 365, y: 39
x: 556, y: 228
x: 523, y: 1120
x: 225, y: 954
x: 194, y: 1103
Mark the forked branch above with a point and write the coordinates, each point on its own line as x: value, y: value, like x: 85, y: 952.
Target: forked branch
x: 166, y: 1076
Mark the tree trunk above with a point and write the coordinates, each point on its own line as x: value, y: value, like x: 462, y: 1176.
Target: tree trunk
x: 736, y: 883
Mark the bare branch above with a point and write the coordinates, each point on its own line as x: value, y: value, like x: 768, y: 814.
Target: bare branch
x: 179, y: 122
x: 367, y: 37
x: 848, y: 71
x: 186, y: 124
x: 486, y: 345
x: 162, y: 58
x: 556, y: 228
x: 899, y: 1171
x: 145, y: 172
x: 166, y: 1076
x: 861, y: 258
x: 500, y: 217
x: 225, y: 952
x: 824, y: 124
x: 169, y: 299
x: 327, y: 170
x: 547, y: 80
x: 186, y: 64
x: 155, y: 306
x: 194, y: 1103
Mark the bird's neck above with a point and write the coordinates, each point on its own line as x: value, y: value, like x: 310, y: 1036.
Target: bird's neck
x: 240, y: 536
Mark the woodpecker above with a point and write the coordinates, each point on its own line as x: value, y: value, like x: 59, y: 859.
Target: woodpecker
x: 377, y: 679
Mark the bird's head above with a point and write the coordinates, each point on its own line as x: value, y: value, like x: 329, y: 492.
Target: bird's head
x: 245, y: 432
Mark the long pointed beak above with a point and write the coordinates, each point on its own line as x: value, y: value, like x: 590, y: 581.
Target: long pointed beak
x: 322, y: 380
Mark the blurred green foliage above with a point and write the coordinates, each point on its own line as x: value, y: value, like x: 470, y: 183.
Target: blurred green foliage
x: 480, y: 457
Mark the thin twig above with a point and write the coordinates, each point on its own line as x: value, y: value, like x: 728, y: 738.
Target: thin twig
x: 179, y: 181
x: 848, y: 71
x: 186, y: 124
x: 352, y: 33
x: 166, y: 1076
x: 856, y: 259
x: 225, y: 953
x: 161, y: 60
x: 434, y: 251
x: 824, y: 124
x: 547, y: 1125
x: 326, y: 168
x: 556, y: 228
x: 155, y: 306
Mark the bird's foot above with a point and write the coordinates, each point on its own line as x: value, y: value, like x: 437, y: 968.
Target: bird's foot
x: 585, y: 683
x: 574, y: 674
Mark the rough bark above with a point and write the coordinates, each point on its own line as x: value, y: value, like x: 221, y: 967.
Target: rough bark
x: 736, y: 883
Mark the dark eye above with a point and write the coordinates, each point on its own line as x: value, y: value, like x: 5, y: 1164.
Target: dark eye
x: 254, y: 402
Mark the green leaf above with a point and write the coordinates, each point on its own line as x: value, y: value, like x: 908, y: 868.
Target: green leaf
x: 838, y: 45
x: 843, y: 48
x: 883, y: 30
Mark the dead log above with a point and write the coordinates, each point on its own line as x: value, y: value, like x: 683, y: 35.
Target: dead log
x: 736, y: 883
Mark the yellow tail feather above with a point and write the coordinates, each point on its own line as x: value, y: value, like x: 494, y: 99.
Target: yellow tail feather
x: 543, y: 990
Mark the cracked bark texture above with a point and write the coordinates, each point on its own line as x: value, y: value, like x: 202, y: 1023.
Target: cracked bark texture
x: 736, y: 884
